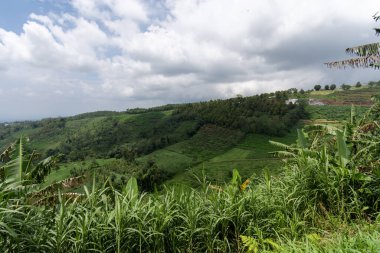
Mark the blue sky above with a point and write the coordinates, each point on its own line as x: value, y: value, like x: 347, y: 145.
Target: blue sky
x: 66, y: 57
x: 14, y: 13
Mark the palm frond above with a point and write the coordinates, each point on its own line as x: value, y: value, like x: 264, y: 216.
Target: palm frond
x: 376, y: 17
x: 360, y: 62
x: 364, y: 50
x: 326, y: 129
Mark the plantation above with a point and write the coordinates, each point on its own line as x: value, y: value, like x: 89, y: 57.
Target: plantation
x: 218, y: 131
x: 324, y: 198
x: 180, y: 179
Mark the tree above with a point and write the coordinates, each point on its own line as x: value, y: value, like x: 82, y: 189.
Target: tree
x: 368, y: 55
x: 332, y: 87
x: 317, y: 87
x: 358, y: 85
x: 345, y: 87
x: 327, y: 87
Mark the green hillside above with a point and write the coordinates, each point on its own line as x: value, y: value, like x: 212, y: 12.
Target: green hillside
x: 184, y: 142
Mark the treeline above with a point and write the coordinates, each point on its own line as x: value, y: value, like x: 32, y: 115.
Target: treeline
x: 139, y: 131
x: 152, y: 109
x: 115, y: 137
x: 265, y: 113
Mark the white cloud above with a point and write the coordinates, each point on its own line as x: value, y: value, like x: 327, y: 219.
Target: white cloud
x: 122, y: 53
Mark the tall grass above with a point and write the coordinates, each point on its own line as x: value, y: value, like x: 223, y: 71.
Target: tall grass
x: 321, y: 190
x: 177, y: 220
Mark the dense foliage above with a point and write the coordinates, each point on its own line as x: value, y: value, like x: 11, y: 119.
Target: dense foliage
x: 265, y: 113
x: 137, y: 132
x: 330, y: 180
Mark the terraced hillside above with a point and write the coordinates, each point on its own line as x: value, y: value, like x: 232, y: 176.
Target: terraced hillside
x: 179, y: 144
x: 355, y: 96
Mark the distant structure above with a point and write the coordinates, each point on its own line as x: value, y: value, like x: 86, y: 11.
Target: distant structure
x: 292, y: 100
x: 310, y: 101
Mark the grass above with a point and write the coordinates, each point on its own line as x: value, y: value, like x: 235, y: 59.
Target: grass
x: 210, y: 141
x: 169, y: 160
x: 271, y: 212
x: 251, y: 156
x: 333, y: 112
x: 63, y: 172
x: 209, y: 151
x: 350, y: 239
x: 260, y: 146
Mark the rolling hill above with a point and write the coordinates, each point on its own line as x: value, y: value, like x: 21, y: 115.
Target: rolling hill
x: 183, y: 141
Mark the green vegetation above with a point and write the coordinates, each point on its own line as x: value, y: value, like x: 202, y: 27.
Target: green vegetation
x: 265, y: 114
x: 232, y: 175
x: 356, y: 96
x: 252, y: 156
x: 332, y: 113
x: 324, y: 200
x: 138, y: 132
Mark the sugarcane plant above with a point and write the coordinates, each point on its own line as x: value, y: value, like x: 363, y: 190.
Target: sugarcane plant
x: 340, y: 164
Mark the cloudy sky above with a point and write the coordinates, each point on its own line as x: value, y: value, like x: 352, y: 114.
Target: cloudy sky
x: 63, y: 57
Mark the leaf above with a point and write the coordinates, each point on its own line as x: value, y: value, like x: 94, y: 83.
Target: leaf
x: 353, y: 114
x: 236, y: 179
x: 280, y: 145
x: 301, y: 140
x: 131, y: 188
x: 365, y: 50
x: 315, y: 238
x: 250, y: 243
x: 13, y: 169
x: 274, y: 245
x: 360, y: 62
x: 284, y: 154
x: 343, y: 152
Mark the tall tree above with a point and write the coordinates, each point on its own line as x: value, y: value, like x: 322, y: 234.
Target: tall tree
x: 367, y: 55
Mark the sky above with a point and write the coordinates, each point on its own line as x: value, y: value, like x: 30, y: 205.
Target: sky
x: 64, y: 57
